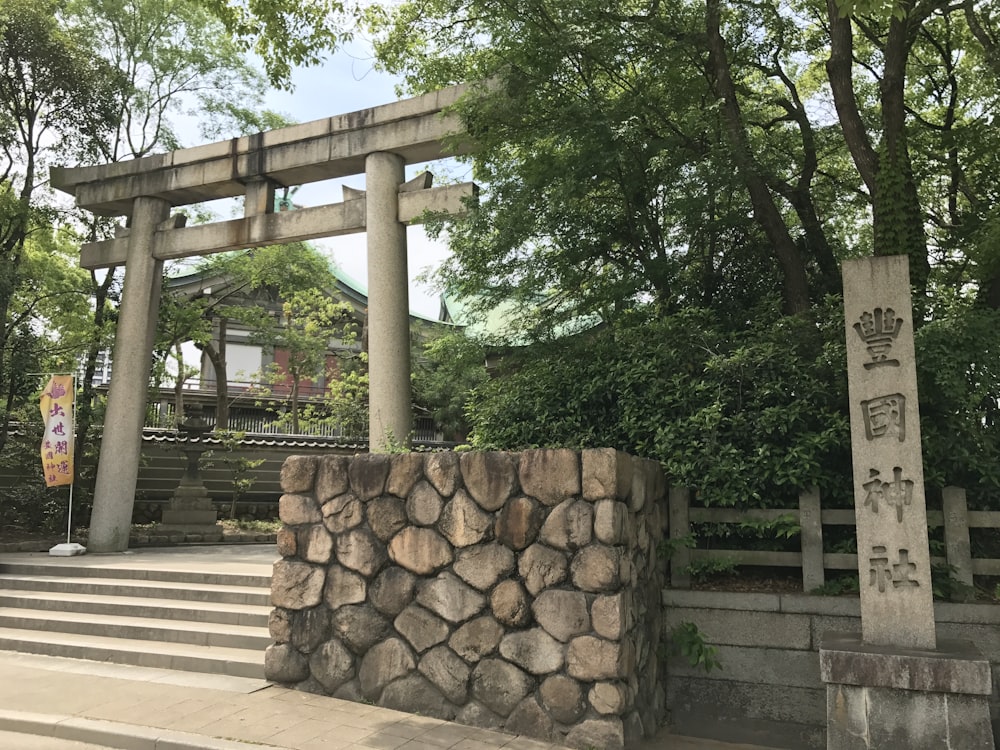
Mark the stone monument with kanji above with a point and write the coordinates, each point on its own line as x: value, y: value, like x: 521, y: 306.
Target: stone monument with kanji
x: 895, y: 685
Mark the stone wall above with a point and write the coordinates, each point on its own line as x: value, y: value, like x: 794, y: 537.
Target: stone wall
x: 769, y: 690
x: 507, y: 590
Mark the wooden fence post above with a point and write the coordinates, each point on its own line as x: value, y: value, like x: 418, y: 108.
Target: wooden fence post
x: 956, y: 535
x: 811, y: 535
x: 680, y: 528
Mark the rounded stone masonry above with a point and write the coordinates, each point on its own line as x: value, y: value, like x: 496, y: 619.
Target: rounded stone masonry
x: 368, y: 474
x: 563, y: 614
x: 297, y: 510
x: 462, y: 522
x: 296, y: 585
x: 298, y: 474
x: 332, y: 665
x: 421, y: 628
x: 490, y: 478
x: 421, y: 551
x: 386, y: 516
x: 424, y: 504
x: 442, y: 471
x: 541, y: 567
x: 331, y: 478
x: 484, y: 565
x: 405, y: 470
x: 516, y: 591
x: 569, y: 526
x: 518, y: 522
x: 344, y: 587
x: 342, y: 513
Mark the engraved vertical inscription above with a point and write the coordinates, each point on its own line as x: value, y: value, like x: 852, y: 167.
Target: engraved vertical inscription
x: 897, y: 493
x: 878, y: 329
x: 882, y: 572
x: 893, y: 556
x: 885, y: 416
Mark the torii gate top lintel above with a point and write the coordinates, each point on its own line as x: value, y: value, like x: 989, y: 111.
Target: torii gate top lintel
x: 413, y: 129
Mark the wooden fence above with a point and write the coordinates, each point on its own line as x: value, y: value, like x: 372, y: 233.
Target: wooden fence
x: 956, y: 518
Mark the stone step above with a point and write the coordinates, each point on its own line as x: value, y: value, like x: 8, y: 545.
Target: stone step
x: 187, y: 657
x: 190, y: 592
x: 161, y: 609
x: 144, y: 574
x: 139, y: 628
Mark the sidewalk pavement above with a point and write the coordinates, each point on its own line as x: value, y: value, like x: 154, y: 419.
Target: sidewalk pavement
x: 68, y: 702
x: 53, y: 703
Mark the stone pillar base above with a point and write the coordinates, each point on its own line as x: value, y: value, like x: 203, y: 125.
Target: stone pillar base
x: 884, y: 697
x: 191, y: 510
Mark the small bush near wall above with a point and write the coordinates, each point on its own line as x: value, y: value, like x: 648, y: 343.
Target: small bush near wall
x: 506, y: 590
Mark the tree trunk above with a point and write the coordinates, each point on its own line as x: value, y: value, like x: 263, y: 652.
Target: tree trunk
x: 85, y: 403
x: 796, y: 284
x: 840, y: 70
x: 179, y: 387
x: 898, y: 219
x: 295, y: 405
x: 217, y: 356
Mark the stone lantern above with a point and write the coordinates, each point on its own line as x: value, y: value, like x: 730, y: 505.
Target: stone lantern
x: 190, y: 509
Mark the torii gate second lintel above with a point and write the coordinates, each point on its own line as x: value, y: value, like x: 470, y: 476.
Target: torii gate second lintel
x: 381, y: 141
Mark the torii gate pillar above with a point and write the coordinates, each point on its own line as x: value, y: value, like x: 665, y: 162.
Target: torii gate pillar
x: 133, y: 354
x: 388, y: 305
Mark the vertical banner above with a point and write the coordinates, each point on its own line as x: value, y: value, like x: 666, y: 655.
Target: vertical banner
x: 57, y: 442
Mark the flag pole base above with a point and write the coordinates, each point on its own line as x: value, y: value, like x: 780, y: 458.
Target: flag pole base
x: 68, y: 550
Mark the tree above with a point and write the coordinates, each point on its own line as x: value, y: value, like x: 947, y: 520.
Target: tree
x: 173, y: 58
x: 691, y: 174
x: 56, y: 100
x: 447, y: 372
x: 284, y: 33
x: 632, y: 149
x: 309, y: 320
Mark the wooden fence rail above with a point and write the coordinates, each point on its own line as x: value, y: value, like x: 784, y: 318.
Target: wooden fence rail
x: 956, y: 518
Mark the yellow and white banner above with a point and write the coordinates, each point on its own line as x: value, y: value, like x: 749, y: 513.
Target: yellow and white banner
x: 57, y: 443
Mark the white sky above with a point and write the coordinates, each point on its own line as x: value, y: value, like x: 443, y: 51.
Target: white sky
x: 345, y: 83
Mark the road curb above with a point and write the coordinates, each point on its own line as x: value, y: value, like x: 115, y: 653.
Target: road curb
x: 113, y: 734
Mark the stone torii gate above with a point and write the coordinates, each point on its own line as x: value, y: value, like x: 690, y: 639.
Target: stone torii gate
x: 379, y: 142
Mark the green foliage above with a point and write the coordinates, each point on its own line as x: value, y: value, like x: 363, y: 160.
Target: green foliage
x: 667, y: 548
x: 883, y: 8
x: 843, y: 584
x: 945, y: 586
x: 27, y: 504
x: 394, y: 445
x: 252, y: 524
x: 687, y: 641
x: 783, y: 527
x: 703, y: 570
x: 446, y: 373
x: 285, y: 33
x: 345, y: 402
x: 750, y: 417
x: 310, y: 318
x: 958, y: 370
x: 744, y: 417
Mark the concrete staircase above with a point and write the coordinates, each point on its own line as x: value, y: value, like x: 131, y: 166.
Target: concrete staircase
x: 169, y: 619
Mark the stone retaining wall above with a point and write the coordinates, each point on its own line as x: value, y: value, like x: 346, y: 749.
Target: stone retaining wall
x: 506, y: 590
x: 769, y: 690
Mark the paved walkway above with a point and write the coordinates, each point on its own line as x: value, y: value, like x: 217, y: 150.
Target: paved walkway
x: 53, y: 703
